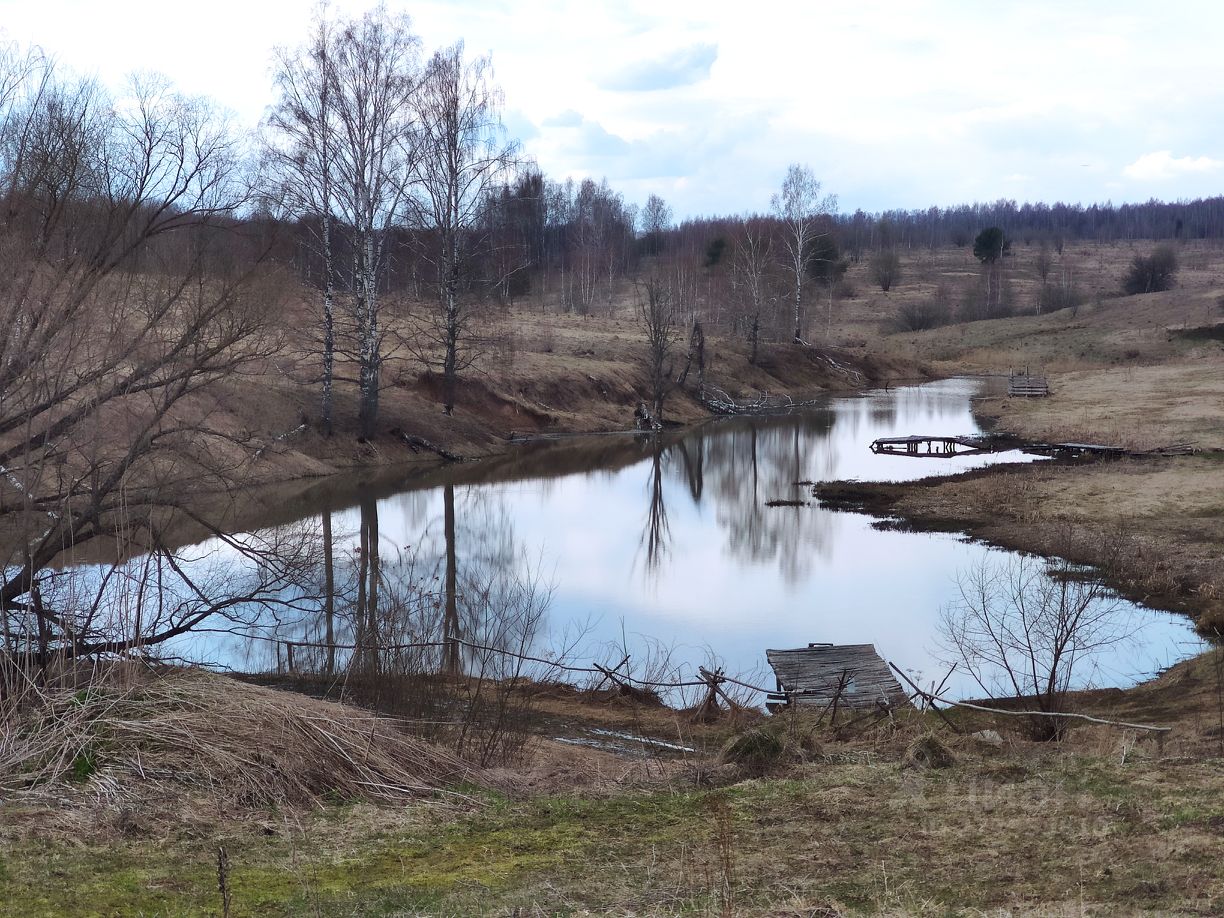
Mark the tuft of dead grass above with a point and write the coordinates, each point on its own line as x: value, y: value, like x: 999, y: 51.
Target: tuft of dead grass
x: 200, y: 733
x: 928, y: 752
x: 780, y: 742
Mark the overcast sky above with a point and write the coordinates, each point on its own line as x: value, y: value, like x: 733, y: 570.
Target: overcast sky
x: 892, y: 104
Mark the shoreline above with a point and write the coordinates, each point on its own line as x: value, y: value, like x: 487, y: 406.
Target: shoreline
x: 1009, y: 506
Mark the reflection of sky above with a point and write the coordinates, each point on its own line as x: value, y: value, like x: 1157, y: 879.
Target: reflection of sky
x: 732, y: 575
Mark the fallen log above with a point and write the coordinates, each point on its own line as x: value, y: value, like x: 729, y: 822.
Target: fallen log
x: 416, y: 444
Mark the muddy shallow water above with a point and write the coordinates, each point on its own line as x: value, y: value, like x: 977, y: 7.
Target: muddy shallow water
x: 664, y: 547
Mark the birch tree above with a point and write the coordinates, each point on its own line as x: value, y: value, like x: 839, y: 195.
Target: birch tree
x: 301, y: 147
x: 800, y: 208
x: 753, y: 264
x: 374, y: 64
x: 464, y: 160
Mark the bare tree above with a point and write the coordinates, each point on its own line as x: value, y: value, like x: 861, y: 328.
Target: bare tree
x: 301, y: 149
x: 130, y: 293
x: 660, y: 318
x: 800, y: 207
x: 656, y: 220
x: 1043, y: 262
x: 465, y: 159
x: 1033, y: 629
x: 886, y: 268
x: 375, y: 76
x: 753, y: 264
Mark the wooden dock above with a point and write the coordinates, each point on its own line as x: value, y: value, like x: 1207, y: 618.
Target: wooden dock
x: 1077, y: 449
x: 845, y: 676
x: 941, y: 447
x: 934, y: 447
x: 1022, y: 385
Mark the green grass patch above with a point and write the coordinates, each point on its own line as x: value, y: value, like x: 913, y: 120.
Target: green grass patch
x: 868, y: 837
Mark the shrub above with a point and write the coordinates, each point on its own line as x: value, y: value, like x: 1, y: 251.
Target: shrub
x: 886, y: 269
x: 1152, y: 273
x: 915, y: 317
x: 787, y: 739
x: 928, y: 752
x: 1060, y: 295
x: 756, y: 750
x: 991, y: 298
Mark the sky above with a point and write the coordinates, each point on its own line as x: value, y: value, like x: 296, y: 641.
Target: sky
x: 901, y: 104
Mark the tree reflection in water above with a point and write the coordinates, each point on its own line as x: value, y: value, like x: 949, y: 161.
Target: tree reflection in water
x: 656, y: 532
x: 765, y: 460
x: 667, y: 537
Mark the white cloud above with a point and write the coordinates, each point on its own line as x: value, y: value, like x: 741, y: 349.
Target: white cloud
x: 681, y: 67
x: 1162, y: 165
x: 892, y: 105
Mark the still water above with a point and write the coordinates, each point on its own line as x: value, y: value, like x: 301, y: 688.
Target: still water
x: 657, y: 545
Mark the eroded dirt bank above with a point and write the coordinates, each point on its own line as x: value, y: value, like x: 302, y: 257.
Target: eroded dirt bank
x: 563, y: 374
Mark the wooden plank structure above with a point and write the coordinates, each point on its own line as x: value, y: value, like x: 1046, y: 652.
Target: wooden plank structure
x: 847, y: 676
x: 1078, y: 449
x: 1022, y: 385
x: 935, y: 447
x: 941, y: 447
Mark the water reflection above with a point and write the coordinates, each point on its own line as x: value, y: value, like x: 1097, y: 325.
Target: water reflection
x: 656, y: 531
x: 663, y: 537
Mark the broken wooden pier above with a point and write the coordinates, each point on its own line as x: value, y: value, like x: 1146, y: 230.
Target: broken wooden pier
x: 941, y: 447
x: 931, y: 446
x: 833, y: 676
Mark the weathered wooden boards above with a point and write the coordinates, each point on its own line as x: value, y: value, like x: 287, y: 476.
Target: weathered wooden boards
x: 1021, y: 385
x: 934, y: 446
x: 852, y: 674
x: 940, y: 447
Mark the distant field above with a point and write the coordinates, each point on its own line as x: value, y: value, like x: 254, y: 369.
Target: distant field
x: 1108, y: 330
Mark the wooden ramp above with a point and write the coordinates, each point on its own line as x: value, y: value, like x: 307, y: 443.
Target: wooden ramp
x: 854, y: 674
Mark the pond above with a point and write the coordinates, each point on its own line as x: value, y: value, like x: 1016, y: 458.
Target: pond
x: 663, y: 547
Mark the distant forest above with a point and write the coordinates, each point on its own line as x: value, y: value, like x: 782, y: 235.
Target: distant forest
x: 1202, y: 218
x: 575, y: 236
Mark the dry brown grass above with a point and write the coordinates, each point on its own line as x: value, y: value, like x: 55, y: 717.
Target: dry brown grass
x: 1139, y: 407
x: 193, y: 733
x: 1107, y: 330
x: 1157, y: 524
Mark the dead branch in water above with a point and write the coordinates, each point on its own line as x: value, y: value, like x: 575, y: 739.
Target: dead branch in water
x: 717, y: 401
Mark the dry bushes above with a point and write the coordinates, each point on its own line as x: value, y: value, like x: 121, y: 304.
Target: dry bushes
x: 239, y: 744
x: 786, y: 739
x: 928, y: 752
